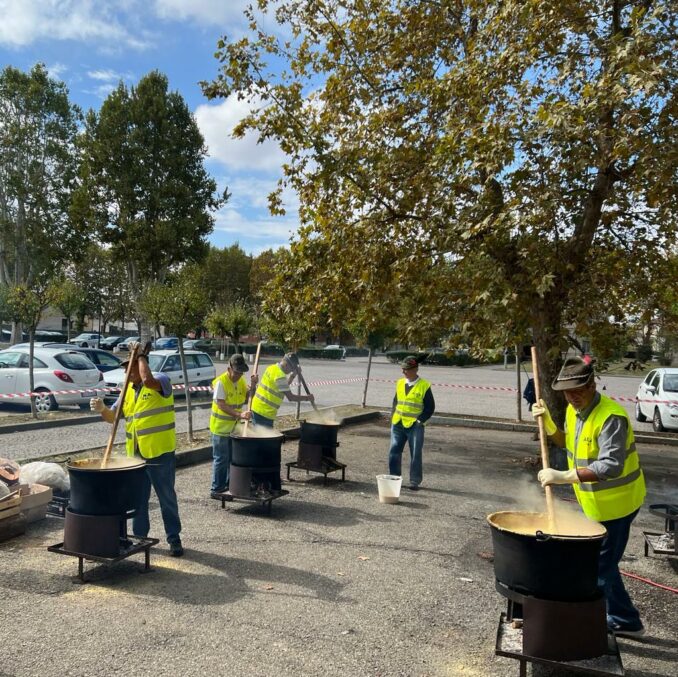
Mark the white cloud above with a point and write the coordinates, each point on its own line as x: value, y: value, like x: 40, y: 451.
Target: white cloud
x: 105, y: 75
x: 223, y: 13
x: 27, y: 21
x: 56, y: 70
x: 217, y: 123
x: 272, y: 229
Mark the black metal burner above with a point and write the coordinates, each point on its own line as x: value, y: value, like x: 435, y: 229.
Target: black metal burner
x: 130, y: 545
x: 319, y: 458
x: 510, y: 645
x: 666, y: 542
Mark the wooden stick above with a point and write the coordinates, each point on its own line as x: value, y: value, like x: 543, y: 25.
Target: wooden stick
x: 308, y: 392
x: 251, y: 397
x: 118, y: 409
x: 550, y: 508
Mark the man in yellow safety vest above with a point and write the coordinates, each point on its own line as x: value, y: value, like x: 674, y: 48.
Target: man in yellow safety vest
x: 604, y: 469
x: 230, y: 394
x: 148, y: 408
x: 274, y: 387
x: 413, y: 405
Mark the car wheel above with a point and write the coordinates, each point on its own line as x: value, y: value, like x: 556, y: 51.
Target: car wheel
x: 84, y: 344
x: 657, y: 424
x: 45, y: 402
x: 639, y: 414
x: 203, y: 393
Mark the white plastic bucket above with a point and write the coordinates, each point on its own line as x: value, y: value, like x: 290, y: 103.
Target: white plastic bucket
x: 389, y: 488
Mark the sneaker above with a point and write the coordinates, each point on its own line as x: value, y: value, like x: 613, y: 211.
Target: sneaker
x: 621, y: 631
x: 176, y: 549
x: 414, y: 487
x: 224, y: 495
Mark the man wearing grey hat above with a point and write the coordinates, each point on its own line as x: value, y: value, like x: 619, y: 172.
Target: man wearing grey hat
x: 604, y: 469
x: 413, y: 405
x: 274, y: 388
x: 230, y: 395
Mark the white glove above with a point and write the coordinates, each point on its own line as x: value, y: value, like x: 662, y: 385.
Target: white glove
x: 133, y: 345
x: 540, y: 409
x: 97, y: 404
x: 550, y: 476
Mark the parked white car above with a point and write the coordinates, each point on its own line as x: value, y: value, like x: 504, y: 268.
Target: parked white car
x: 337, y: 347
x: 199, y: 365
x: 87, y: 340
x: 53, y: 369
x: 657, y: 399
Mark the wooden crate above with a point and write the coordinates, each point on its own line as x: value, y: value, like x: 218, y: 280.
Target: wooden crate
x: 10, y: 506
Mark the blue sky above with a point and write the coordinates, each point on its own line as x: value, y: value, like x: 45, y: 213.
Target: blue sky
x: 93, y: 44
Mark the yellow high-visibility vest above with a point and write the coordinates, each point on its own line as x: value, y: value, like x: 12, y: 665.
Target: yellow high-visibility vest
x: 612, y: 498
x: 222, y: 423
x: 409, y: 405
x: 150, y: 421
x: 268, y: 396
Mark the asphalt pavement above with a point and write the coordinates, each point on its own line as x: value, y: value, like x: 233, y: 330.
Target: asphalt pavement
x: 333, y: 583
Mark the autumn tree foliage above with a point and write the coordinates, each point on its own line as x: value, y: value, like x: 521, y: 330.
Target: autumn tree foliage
x: 495, y: 171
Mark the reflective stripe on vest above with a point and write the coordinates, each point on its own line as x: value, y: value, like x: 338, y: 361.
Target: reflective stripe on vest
x: 611, y: 498
x: 222, y: 423
x: 149, y: 422
x: 409, y: 405
x: 268, y: 397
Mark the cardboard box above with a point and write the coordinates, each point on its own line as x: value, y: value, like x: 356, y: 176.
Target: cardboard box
x: 34, y: 506
x: 10, y: 505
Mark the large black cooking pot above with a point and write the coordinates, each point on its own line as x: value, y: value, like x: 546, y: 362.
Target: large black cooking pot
x: 114, y: 490
x: 257, y: 452
x: 323, y: 434
x: 561, y: 567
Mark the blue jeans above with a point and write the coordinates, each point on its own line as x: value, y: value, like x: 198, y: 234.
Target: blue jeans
x: 414, y: 436
x: 160, y: 473
x: 620, y: 609
x: 262, y: 420
x: 221, y: 465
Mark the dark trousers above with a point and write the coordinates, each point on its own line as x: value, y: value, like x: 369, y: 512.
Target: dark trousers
x: 620, y: 609
x: 160, y: 473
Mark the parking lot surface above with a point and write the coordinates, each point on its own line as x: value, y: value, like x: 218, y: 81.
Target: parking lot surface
x: 333, y: 583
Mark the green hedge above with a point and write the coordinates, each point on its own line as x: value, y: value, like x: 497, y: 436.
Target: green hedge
x: 441, y: 359
x: 352, y: 351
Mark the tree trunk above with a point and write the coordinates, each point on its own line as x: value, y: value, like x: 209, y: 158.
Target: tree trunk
x: 17, y: 333
x: 31, y: 378
x: 189, y: 411
x: 546, y: 337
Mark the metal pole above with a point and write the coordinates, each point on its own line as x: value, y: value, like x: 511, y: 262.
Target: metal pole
x: 298, y: 402
x: 367, y: 377
x: 519, y: 388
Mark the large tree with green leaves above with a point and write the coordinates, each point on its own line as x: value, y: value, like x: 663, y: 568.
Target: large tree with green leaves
x: 508, y: 168
x: 144, y: 185
x: 226, y: 275
x: 38, y: 168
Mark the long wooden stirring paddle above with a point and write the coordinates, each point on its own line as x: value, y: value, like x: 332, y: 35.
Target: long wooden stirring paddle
x: 548, y: 490
x: 251, y: 397
x: 118, y: 409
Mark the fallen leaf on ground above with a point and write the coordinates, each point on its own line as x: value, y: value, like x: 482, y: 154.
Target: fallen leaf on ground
x: 268, y: 587
x: 363, y: 558
x: 340, y: 573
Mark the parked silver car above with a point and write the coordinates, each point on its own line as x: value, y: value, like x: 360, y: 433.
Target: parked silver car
x: 657, y: 399
x: 54, y: 370
x: 199, y: 365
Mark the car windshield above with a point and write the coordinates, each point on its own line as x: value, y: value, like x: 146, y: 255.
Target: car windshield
x: 75, y: 361
x: 671, y: 383
x: 155, y: 362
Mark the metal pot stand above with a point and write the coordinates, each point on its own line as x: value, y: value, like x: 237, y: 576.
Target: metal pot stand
x: 312, y: 458
x: 131, y: 545
x: 666, y: 542
x: 510, y: 640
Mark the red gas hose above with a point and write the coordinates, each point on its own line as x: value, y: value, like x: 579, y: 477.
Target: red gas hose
x: 649, y: 582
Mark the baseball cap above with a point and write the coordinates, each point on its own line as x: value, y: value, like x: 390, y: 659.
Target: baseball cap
x: 237, y: 363
x: 410, y: 362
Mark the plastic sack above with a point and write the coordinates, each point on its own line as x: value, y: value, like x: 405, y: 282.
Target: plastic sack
x: 4, y: 490
x: 49, y: 474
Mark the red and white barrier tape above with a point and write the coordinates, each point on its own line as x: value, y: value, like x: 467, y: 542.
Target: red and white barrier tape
x: 181, y: 386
